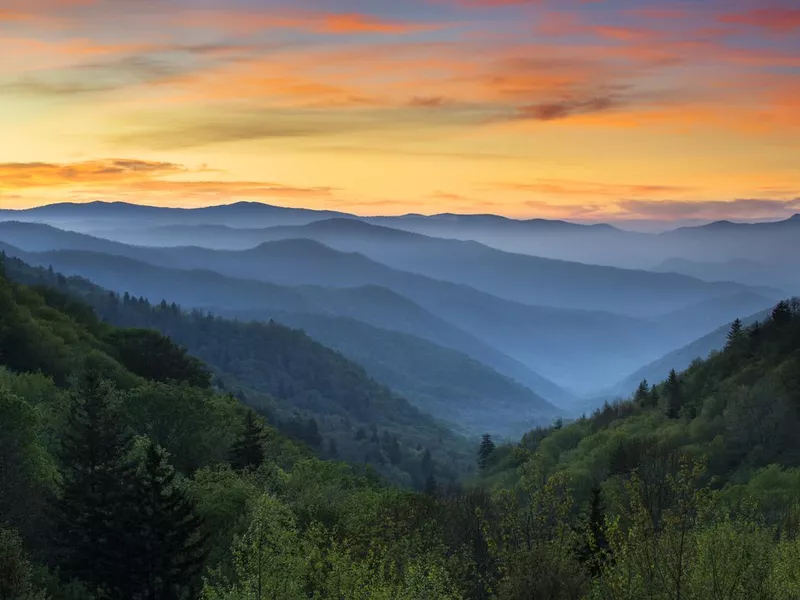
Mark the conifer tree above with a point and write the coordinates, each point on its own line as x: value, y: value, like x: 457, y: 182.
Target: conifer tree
x: 642, y: 395
x: 95, y: 509
x: 735, y: 334
x: 167, y: 545
x: 426, y: 463
x: 674, y: 395
x: 595, y: 550
x: 485, y: 450
x: 248, y: 451
x: 431, y: 485
x: 782, y: 313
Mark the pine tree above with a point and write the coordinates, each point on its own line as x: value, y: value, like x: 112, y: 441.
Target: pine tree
x: 248, y: 451
x: 167, y: 545
x: 311, y: 433
x: 735, y: 334
x: 93, y: 513
x: 485, y: 450
x: 431, y: 485
x: 642, y: 396
x: 674, y: 395
x: 333, y: 450
x: 426, y: 464
x: 595, y: 551
x: 782, y: 313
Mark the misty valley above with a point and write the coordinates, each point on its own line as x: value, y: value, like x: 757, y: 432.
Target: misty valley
x: 247, y: 401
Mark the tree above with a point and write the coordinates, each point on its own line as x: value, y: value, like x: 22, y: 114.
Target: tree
x: 426, y: 463
x: 735, y: 334
x: 271, y: 560
x: 485, y: 450
x: 431, y: 485
x: 96, y: 507
x: 782, y: 313
x: 642, y: 396
x: 16, y: 572
x: 167, y: 545
x: 596, y: 548
x: 248, y: 451
x: 25, y: 465
x: 674, y: 395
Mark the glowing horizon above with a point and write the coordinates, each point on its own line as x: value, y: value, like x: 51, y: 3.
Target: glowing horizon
x: 587, y: 111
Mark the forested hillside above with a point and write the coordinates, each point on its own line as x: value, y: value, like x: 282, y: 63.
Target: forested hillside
x: 126, y: 474
x: 310, y: 392
x: 261, y: 300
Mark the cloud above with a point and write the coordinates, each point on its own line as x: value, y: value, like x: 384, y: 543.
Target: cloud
x: 190, y: 129
x: 428, y: 101
x: 40, y: 174
x: 776, y: 20
x: 330, y: 23
x: 567, y: 187
x: 552, y: 111
x: 136, y: 180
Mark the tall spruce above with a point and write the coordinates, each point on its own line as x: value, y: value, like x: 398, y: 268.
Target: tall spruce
x: 642, y: 396
x: 674, y: 395
x: 248, y: 451
x: 734, y: 334
x: 595, y: 551
x: 167, y: 544
x: 95, y: 510
x: 485, y: 450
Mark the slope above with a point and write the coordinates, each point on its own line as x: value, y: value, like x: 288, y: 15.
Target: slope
x: 518, y: 277
x: 259, y: 300
x: 681, y: 358
x: 314, y: 392
x: 736, y: 412
x: 557, y: 343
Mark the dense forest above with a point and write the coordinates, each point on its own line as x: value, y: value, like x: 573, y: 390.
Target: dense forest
x: 311, y: 393
x: 131, y: 468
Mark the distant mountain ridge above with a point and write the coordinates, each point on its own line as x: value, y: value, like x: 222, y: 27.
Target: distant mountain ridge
x: 554, y: 342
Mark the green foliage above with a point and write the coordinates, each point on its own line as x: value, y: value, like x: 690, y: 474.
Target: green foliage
x: 485, y: 450
x: 247, y: 452
x: 16, y: 571
x: 633, y: 502
x: 165, y: 546
x: 312, y: 393
x: 154, y: 356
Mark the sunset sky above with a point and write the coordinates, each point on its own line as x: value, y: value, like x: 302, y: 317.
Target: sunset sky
x: 577, y: 109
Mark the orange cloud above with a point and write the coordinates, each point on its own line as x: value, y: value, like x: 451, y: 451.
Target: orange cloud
x: 776, y: 20
x: 567, y: 187
x: 241, y: 22
x: 16, y: 176
x: 135, y: 181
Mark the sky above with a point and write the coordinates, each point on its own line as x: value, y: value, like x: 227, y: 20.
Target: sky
x: 590, y: 110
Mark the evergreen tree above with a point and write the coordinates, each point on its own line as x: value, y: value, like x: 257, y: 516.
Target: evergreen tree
x: 167, y: 546
x: 311, y: 433
x: 642, y: 396
x: 782, y: 313
x: 595, y: 550
x: 426, y: 464
x: 431, y: 485
x: 94, y: 512
x: 16, y: 571
x: 735, y: 334
x: 674, y: 395
x: 485, y: 450
x: 248, y: 451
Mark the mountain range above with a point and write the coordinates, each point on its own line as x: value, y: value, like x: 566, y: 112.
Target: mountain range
x: 560, y: 328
